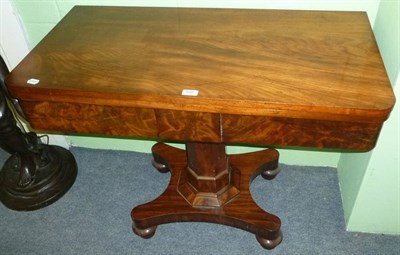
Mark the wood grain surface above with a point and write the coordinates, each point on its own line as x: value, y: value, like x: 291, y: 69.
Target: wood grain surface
x: 91, y: 119
x: 188, y: 126
x: 273, y: 77
x: 299, y: 132
x: 170, y: 125
x: 297, y: 64
x: 241, y: 212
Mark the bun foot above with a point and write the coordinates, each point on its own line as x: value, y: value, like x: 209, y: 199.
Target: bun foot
x: 160, y: 167
x: 159, y: 162
x: 144, y: 233
x: 269, y: 244
x: 271, y: 174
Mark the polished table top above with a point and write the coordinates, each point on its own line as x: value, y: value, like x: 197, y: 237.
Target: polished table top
x: 209, y: 77
x: 296, y: 67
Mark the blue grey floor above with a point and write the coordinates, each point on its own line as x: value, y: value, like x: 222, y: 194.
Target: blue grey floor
x: 94, y: 216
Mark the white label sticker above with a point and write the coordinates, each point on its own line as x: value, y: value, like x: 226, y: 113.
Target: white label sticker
x: 190, y: 92
x: 33, y: 81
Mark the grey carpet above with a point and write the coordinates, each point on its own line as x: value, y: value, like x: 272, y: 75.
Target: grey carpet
x: 94, y: 216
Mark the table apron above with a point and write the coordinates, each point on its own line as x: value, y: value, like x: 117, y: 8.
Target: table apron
x: 175, y: 125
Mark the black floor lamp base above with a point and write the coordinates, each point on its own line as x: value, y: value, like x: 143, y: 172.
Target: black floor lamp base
x: 56, y: 171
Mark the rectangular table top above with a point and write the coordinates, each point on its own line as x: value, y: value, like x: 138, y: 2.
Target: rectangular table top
x: 298, y: 64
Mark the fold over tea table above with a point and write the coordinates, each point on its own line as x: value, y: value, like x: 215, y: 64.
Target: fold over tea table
x: 209, y: 77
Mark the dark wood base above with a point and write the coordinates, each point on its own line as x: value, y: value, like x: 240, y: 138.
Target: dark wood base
x: 240, y: 211
x: 56, y: 171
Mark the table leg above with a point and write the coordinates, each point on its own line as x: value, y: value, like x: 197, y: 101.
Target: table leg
x: 208, y: 186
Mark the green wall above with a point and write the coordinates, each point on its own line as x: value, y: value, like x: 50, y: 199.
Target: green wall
x: 369, y: 181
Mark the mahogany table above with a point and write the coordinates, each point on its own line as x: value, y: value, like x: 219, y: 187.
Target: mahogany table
x: 209, y: 77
